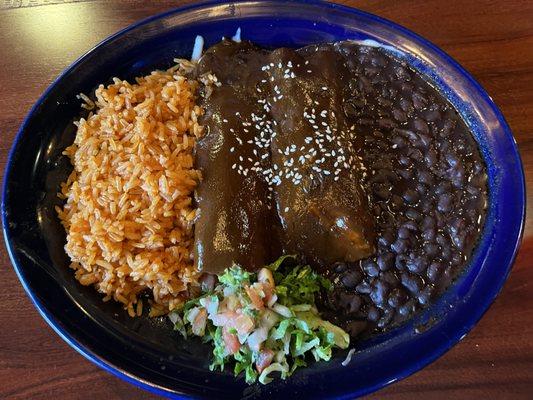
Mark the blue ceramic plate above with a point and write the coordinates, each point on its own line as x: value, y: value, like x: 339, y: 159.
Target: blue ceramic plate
x: 146, y: 352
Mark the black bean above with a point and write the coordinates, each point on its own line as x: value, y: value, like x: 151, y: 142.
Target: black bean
x: 412, y: 214
x: 443, y: 187
x: 431, y: 249
x: 373, y: 314
x: 401, y: 262
x: 399, y: 115
x: 417, y: 264
x: 363, y: 288
x: 421, y: 126
x: 371, y: 268
x: 405, y: 160
x: 419, y: 101
x: 408, y: 308
x: 339, y: 267
x: 424, y: 141
x: 390, y: 277
x: 411, y: 196
x: 456, y: 225
x: 399, y: 246
x: 415, y: 154
x: 446, y: 253
x: 397, y: 297
x: 429, y: 234
x: 411, y: 282
x: 402, y: 73
x: 386, y: 123
x: 425, y: 176
x: 379, y: 292
x: 457, y: 258
x: 425, y: 295
x: 444, y: 203
x: 426, y: 207
x: 378, y: 61
x: 442, y: 240
x: 385, y: 261
x: 406, y: 173
x: 447, y: 127
x: 351, y: 279
x: 451, y: 159
x: 387, y: 317
x: 431, y: 158
x: 387, y: 237
x: 427, y: 222
x: 459, y: 239
x: 404, y: 233
x: 433, y: 115
x: 406, y: 105
x: 457, y: 176
x: 434, y: 271
x: 473, y: 190
x: 412, y: 226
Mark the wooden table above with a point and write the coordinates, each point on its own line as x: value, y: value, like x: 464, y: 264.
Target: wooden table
x: 492, y: 39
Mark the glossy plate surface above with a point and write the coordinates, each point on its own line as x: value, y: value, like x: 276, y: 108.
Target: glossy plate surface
x: 146, y: 352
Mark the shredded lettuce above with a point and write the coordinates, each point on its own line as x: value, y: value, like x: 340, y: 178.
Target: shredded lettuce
x: 280, y: 338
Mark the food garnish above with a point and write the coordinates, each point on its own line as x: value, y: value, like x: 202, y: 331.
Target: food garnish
x: 266, y: 322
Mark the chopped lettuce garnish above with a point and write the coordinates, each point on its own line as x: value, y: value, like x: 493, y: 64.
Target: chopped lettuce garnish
x: 267, y: 323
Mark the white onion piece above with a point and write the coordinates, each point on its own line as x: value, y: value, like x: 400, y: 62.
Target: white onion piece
x: 198, y: 48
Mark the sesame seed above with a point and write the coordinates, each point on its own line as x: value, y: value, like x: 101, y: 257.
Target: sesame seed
x: 234, y: 166
x: 232, y: 149
x: 286, y: 209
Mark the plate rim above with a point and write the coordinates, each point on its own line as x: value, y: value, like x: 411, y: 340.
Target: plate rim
x: 161, y: 390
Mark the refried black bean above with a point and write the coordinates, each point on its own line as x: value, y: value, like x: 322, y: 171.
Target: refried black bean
x: 427, y: 186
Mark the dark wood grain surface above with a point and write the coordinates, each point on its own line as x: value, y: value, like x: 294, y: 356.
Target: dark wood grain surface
x: 491, y: 39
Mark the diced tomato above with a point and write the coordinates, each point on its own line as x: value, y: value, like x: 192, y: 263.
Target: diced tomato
x: 255, y: 298
x: 243, y: 323
x: 226, y: 318
x: 270, y: 295
x: 264, y: 359
x: 198, y: 324
x: 231, y: 341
